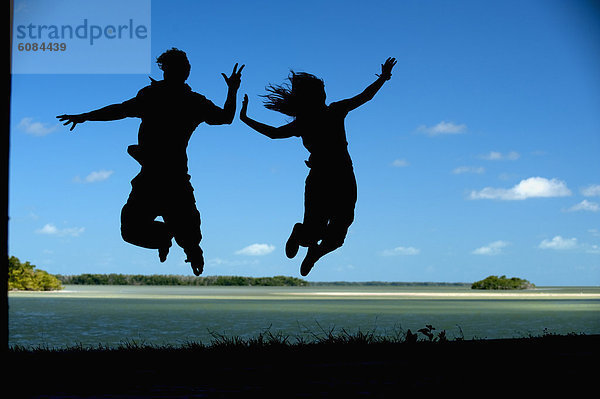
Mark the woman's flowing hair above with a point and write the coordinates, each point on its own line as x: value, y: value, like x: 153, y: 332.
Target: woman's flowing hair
x: 287, y: 97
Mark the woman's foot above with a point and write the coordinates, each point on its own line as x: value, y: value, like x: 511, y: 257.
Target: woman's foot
x: 162, y: 254
x: 293, y: 243
x: 312, y: 256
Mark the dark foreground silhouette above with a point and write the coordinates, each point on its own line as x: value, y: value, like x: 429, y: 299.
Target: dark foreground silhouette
x: 330, y: 190
x: 170, y: 112
x: 534, y: 367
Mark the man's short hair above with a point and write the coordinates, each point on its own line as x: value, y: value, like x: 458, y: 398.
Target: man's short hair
x: 174, y: 62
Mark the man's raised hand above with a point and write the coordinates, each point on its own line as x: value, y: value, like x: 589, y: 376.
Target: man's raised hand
x: 74, y: 119
x: 235, y: 79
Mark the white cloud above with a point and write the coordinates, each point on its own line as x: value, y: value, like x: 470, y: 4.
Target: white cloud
x: 38, y: 129
x: 593, y: 249
x: 256, y: 250
x: 401, y: 251
x: 228, y: 262
x: 52, y: 230
x: 592, y: 190
x: 469, y: 169
x: 494, y: 248
x: 498, y: 156
x: 443, y: 128
x: 559, y: 243
x: 585, y: 205
x: 534, y: 187
x: 94, y: 177
x: 98, y: 176
x: 345, y: 268
x: 400, y: 163
x: 48, y: 229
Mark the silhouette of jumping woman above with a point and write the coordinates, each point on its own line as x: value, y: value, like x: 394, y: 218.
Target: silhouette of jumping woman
x: 170, y: 112
x: 330, y: 188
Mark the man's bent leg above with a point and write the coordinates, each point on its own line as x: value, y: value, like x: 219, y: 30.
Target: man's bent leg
x: 184, y: 220
x: 138, y: 227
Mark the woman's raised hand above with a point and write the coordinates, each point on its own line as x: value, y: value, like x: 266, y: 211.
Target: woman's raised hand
x: 386, y: 68
x: 244, y: 107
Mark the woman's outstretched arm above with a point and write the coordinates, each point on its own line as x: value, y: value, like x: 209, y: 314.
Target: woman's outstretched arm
x: 272, y: 132
x: 367, y: 94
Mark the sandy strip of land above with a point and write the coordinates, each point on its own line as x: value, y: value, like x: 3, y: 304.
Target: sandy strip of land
x: 450, y: 294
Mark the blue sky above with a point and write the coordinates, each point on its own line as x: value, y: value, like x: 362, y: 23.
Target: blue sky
x: 479, y: 157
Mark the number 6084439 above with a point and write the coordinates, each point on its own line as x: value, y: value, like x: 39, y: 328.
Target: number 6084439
x: 52, y: 46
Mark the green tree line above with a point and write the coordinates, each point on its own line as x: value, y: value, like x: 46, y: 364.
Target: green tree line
x: 161, y: 279
x: 388, y: 284
x: 25, y: 277
x: 502, y: 283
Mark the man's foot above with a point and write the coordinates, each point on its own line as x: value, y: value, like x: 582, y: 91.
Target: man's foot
x: 292, y: 245
x: 197, y: 262
x: 162, y: 254
x: 312, y: 256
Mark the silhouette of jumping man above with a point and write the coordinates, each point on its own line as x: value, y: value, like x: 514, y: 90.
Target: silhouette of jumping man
x: 330, y: 188
x: 170, y: 112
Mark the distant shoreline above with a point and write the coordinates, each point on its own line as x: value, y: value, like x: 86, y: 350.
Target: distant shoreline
x: 474, y: 294
x: 174, y: 280
x: 336, y: 291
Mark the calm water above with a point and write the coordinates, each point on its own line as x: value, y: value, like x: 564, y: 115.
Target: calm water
x: 113, y: 315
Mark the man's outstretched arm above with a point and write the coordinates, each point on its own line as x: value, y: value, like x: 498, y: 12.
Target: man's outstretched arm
x: 109, y: 113
x: 372, y: 89
x: 227, y: 113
